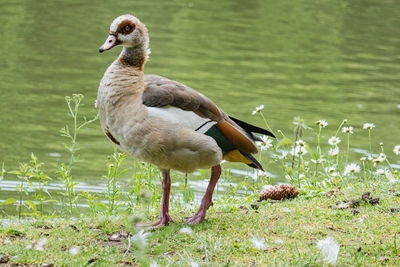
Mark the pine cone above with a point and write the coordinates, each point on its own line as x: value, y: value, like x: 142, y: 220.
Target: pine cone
x: 278, y: 192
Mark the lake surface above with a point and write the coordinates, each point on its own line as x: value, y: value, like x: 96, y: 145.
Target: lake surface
x: 315, y: 59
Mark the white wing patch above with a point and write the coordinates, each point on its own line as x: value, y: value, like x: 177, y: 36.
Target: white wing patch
x: 188, y: 119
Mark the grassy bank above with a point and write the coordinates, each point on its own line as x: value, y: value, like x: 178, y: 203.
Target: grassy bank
x: 273, y: 233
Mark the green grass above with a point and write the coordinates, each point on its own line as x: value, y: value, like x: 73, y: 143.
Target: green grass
x: 367, y: 235
x: 224, y: 238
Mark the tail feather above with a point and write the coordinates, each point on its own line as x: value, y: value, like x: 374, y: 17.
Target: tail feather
x: 251, y: 128
x: 254, y: 163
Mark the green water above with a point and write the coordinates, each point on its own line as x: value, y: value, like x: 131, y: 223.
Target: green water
x: 310, y: 58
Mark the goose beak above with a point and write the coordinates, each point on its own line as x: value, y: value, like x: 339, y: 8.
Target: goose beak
x: 109, y: 43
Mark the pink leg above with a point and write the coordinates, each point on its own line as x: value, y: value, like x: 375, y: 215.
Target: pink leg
x: 164, y: 213
x: 206, y: 202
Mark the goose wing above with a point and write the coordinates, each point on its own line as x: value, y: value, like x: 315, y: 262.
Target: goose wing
x: 173, y: 101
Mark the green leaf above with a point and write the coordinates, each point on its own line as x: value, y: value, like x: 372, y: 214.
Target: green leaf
x: 31, y: 204
x: 285, y: 141
x: 8, y: 201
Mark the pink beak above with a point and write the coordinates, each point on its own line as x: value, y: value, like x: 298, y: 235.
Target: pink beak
x: 109, y: 43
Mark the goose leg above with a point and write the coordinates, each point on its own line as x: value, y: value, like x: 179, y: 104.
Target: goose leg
x: 206, y: 202
x: 164, y: 213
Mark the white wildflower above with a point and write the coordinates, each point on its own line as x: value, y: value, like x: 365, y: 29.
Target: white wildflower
x: 321, y: 123
x: 387, y: 173
x: 284, y: 155
x: 369, y: 126
x: 299, y: 150
x: 278, y: 241
x: 148, y: 53
x: 333, y: 151
x: 287, y: 177
x: 300, y: 143
x: 258, y: 109
x: 265, y: 143
x: 381, y: 158
x: 186, y: 231
x: 95, y: 104
x: 194, y: 264
x: 141, y: 237
x: 74, y: 250
x: 334, y: 141
x: 351, y: 169
x: 348, y: 130
x: 258, y: 243
x: 330, y: 169
x: 258, y: 173
x: 396, y: 150
x: 363, y: 158
x: 318, y: 160
x: 29, y: 246
x: 329, y: 249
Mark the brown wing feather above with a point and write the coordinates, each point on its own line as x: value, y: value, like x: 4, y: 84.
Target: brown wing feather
x: 237, y: 138
x: 161, y: 92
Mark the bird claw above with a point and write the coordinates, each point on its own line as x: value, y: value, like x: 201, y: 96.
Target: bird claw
x: 163, y: 221
x: 198, y: 217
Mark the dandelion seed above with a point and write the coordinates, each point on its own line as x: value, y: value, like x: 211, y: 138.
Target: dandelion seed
x: 39, y: 245
x: 333, y: 151
x: 329, y: 249
x: 396, y: 150
x: 186, y: 231
x: 154, y: 264
x: 348, y: 130
x: 258, y: 109
x: 369, y: 126
x: 74, y: 250
x: 141, y: 237
x: 351, y: 169
x: 321, y: 123
x: 334, y: 141
x: 258, y: 243
x: 286, y: 210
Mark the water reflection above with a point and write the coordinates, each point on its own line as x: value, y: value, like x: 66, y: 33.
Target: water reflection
x: 315, y: 59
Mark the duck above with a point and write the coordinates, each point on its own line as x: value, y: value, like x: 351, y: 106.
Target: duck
x: 164, y: 122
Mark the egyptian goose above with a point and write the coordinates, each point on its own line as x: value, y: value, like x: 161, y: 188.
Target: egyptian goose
x: 164, y: 122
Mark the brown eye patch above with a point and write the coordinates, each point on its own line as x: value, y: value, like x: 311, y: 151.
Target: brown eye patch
x: 126, y: 27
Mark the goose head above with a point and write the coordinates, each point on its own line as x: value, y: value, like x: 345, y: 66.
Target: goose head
x: 128, y: 31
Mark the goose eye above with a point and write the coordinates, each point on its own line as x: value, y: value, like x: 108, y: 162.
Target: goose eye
x: 127, y: 28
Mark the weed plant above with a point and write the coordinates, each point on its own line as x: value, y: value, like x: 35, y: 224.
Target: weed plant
x: 314, y: 170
